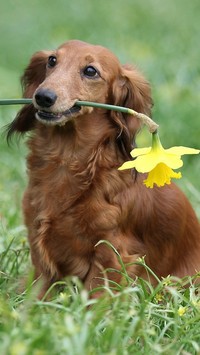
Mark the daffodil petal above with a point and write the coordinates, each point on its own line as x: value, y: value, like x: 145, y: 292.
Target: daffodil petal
x: 145, y: 163
x: 127, y: 165
x: 171, y: 160
x: 140, y: 151
x: 182, y: 150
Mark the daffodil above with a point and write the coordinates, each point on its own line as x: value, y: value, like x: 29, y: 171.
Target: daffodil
x: 158, y: 162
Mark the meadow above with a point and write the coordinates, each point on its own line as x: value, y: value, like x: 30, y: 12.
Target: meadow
x: 162, y: 39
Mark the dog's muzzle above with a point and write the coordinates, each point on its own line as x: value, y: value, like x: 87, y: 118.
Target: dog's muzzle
x: 44, y: 100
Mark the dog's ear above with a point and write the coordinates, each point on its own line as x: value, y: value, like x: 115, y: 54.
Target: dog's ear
x: 35, y: 73
x: 33, y: 76
x: 133, y: 91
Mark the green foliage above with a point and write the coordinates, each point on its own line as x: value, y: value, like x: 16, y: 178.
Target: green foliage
x: 134, y: 319
x: 162, y: 39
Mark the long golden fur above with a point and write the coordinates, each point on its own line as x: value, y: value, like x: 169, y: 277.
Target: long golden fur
x: 76, y: 196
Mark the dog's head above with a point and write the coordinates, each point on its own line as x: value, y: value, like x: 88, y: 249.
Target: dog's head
x: 80, y: 71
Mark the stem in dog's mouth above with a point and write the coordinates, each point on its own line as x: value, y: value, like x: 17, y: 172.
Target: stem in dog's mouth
x: 152, y: 126
x: 156, y: 161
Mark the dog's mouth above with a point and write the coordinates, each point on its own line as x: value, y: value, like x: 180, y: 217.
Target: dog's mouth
x: 51, y: 117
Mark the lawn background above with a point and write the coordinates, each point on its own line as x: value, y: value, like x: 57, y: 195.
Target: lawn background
x: 162, y: 39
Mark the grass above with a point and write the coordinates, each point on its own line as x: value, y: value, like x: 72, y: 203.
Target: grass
x: 138, y: 319
x: 162, y: 39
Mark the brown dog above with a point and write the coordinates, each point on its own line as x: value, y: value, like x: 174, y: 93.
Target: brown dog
x: 76, y: 196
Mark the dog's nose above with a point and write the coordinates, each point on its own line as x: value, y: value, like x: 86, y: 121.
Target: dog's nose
x: 45, y: 97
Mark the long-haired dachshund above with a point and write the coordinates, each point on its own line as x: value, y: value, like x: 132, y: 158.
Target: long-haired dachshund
x: 76, y: 195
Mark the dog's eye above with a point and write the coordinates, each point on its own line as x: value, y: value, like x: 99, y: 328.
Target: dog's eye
x: 90, y: 72
x: 51, y: 61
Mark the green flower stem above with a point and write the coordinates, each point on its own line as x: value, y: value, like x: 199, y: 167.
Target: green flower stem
x: 156, y: 143
x: 152, y: 126
x: 105, y: 106
x: 15, y: 101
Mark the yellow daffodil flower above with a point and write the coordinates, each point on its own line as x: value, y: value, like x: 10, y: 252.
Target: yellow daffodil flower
x: 158, y: 162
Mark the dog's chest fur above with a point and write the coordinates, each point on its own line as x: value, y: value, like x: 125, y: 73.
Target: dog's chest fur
x: 62, y: 193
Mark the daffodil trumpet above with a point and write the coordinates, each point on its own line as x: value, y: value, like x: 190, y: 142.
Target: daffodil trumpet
x: 158, y: 162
